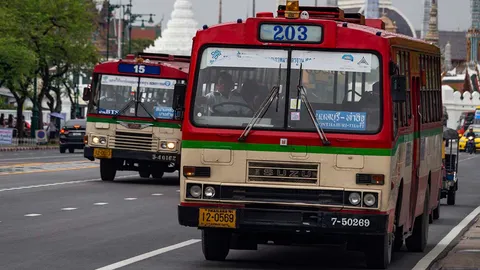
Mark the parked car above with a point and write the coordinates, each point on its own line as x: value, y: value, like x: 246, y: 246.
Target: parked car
x: 71, y: 135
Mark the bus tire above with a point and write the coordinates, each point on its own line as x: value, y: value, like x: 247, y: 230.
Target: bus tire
x: 451, y: 197
x: 107, y: 169
x: 215, y: 244
x: 62, y: 150
x: 157, y: 174
x: 418, y: 240
x: 379, y: 253
x: 144, y: 174
x: 436, y: 212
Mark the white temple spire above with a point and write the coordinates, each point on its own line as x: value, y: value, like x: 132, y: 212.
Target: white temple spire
x: 448, y: 56
x: 181, y: 28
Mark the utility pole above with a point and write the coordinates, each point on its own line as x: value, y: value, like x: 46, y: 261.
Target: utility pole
x: 253, y: 8
x: 35, y: 106
x: 316, y: 3
x: 108, y: 28
x: 220, y: 11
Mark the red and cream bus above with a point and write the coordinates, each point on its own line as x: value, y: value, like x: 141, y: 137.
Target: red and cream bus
x: 131, y: 124
x: 308, y: 127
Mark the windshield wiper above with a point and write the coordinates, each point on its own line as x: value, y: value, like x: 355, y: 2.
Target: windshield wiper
x: 302, y: 93
x: 260, y: 113
x: 128, y: 105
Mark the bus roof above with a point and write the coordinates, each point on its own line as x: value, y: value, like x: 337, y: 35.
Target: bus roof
x: 174, y: 69
x: 335, y: 22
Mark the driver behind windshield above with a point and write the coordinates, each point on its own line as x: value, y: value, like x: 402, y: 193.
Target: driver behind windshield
x: 225, y: 93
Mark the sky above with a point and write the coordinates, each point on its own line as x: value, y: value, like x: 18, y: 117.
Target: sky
x: 453, y: 14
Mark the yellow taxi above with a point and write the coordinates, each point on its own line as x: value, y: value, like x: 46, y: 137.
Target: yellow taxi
x: 463, y: 140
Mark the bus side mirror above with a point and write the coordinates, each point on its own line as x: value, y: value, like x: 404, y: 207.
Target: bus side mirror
x: 87, y: 91
x: 399, y: 88
x: 179, y: 97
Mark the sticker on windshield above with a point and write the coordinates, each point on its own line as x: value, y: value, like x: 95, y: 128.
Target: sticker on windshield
x: 295, y: 116
x: 105, y: 111
x: 163, y: 112
x: 342, y: 120
x: 295, y: 103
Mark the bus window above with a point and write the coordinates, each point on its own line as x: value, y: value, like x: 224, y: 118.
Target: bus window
x: 344, y: 91
x: 232, y: 83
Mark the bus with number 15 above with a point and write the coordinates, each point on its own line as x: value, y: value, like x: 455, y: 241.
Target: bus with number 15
x: 312, y: 126
x: 131, y: 125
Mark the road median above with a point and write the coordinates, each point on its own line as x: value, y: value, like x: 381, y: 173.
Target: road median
x: 27, y: 148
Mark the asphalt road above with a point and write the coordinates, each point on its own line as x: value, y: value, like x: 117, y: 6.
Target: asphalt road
x: 55, y: 213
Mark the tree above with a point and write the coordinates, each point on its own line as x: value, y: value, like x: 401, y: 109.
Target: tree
x: 59, y: 33
x: 17, y: 61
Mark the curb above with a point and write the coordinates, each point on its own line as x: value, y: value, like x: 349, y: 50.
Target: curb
x: 26, y: 148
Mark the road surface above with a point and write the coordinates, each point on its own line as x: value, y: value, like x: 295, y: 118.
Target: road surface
x: 55, y: 213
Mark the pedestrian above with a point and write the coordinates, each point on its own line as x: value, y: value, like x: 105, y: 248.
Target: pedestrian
x: 10, y: 121
x: 2, y: 120
x: 52, y: 130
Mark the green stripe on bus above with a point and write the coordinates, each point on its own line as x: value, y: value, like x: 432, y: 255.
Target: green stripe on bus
x: 310, y: 149
x: 113, y: 121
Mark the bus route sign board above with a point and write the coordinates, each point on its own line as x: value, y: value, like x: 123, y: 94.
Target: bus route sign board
x: 291, y: 33
x: 138, y: 69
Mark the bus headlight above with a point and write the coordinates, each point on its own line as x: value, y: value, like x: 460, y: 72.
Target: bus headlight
x: 369, y: 199
x: 167, y: 145
x: 354, y: 198
x: 209, y: 192
x: 196, y: 191
x: 99, y: 140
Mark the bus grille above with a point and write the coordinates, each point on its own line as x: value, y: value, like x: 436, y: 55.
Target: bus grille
x: 133, y: 141
x: 282, y: 172
x: 282, y: 195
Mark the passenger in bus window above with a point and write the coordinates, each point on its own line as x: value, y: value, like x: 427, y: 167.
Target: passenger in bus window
x: 225, y: 93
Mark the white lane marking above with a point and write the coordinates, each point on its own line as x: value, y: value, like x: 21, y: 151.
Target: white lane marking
x: 425, y: 262
x: 33, y: 215
x: 101, y: 203
x: 157, y: 194
x: 61, y: 183
x: 149, y: 255
x: 130, y: 199
x: 44, y: 157
x: 69, y: 209
x: 465, y: 159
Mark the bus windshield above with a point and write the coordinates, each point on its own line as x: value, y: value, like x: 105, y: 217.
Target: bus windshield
x: 343, y: 88
x: 115, y: 93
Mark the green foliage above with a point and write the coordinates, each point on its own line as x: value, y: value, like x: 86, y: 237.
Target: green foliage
x: 138, y: 45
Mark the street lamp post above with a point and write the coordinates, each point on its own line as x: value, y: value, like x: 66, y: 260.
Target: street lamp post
x: 133, y: 18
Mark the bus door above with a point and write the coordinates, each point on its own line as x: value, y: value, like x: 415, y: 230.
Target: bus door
x: 417, y: 120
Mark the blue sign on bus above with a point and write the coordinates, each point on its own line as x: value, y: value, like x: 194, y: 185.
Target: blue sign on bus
x: 138, y: 69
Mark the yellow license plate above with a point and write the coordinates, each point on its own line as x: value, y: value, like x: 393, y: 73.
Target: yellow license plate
x: 102, y: 153
x: 217, y: 218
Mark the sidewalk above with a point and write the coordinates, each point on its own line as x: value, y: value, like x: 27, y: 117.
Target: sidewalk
x: 466, y: 254
x: 28, y: 147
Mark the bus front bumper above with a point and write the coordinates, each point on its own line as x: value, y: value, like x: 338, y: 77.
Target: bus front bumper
x: 135, y: 155
x: 293, y: 221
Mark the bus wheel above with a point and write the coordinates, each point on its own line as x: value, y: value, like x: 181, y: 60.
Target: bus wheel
x: 144, y: 174
x: 451, y: 197
x: 379, y: 252
x: 418, y: 240
x: 107, y: 169
x: 215, y: 244
x: 157, y: 174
